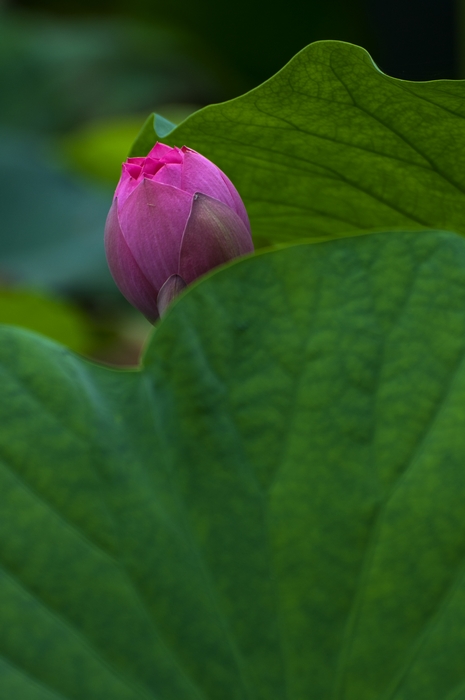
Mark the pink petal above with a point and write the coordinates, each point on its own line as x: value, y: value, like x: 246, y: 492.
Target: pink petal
x: 238, y: 204
x: 152, y: 220
x: 151, y: 166
x: 170, y: 290
x: 212, y: 181
x: 132, y: 169
x: 128, y: 276
x: 174, y: 156
x: 201, y: 175
x: 159, y: 150
x: 214, y: 235
x: 127, y: 183
x: 169, y: 174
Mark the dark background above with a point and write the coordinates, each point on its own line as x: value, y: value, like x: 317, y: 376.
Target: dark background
x: 410, y: 39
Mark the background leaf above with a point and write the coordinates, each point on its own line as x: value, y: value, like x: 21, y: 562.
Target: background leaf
x: 271, y: 508
x: 54, y: 318
x: 330, y: 146
x: 78, y: 70
x: 52, y: 222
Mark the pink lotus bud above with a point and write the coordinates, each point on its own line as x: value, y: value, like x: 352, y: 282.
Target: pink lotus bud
x: 174, y: 217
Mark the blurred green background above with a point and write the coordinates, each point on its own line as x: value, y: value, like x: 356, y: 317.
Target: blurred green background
x: 77, y: 81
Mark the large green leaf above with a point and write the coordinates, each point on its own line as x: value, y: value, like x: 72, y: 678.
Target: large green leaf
x: 330, y: 145
x: 271, y: 508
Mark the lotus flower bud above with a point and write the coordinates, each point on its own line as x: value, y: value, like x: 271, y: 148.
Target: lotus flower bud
x: 174, y: 217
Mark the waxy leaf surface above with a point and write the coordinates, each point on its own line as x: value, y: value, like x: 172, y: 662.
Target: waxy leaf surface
x: 270, y: 509
x: 330, y: 146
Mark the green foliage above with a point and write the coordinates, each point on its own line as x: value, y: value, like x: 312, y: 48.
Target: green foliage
x: 331, y: 146
x: 272, y: 507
